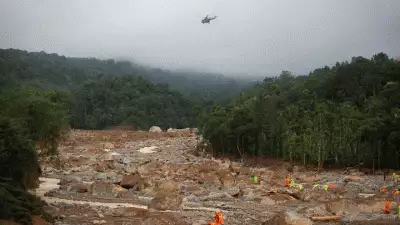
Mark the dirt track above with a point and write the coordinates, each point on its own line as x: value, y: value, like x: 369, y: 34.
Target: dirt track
x: 173, y: 186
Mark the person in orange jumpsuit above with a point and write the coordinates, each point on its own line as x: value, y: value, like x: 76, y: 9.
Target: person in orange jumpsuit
x: 287, y: 180
x: 219, y: 219
x: 387, y: 207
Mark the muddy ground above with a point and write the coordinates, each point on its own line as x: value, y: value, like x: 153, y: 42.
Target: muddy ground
x: 135, y: 177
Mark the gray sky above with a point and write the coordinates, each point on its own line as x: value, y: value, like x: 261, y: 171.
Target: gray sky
x: 249, y: 36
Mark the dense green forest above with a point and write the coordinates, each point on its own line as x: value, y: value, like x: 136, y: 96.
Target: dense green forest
x: 106, y: 102
x: 106, y: 93
x: 52, y: 71
x: 345, y: 115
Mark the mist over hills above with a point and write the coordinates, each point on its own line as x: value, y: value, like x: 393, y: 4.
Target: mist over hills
x: 51, y: 70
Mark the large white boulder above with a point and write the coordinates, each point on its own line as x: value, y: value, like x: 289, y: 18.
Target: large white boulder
x: 155, y: 129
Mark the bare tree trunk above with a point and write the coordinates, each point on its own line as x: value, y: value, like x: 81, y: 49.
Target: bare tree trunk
x: 238, y: 147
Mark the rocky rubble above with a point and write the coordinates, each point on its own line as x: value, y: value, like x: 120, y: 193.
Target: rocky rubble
x: 111, y: 166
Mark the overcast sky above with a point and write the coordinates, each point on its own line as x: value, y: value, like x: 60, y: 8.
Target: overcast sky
x: 249, y: 36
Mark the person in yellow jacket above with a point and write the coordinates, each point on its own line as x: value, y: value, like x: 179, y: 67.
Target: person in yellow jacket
x: 398, y: 210
x: 291, y: 183
x: 255, y: 179
x: 315, y: 186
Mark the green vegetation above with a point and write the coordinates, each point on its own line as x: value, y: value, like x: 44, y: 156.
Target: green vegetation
x: 130, y: 100
x: 105, y: 93
x: 51, y: 71
x: 27, y: 116
x: 343, y: 115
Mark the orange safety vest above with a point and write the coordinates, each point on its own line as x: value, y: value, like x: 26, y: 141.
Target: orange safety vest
x: 220, y: 218
x: 332, y: 186
x: 287, y: 182
x: 387, y: 206
x: 215, y: 219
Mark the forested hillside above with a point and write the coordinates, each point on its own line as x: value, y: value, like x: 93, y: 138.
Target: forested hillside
x: 105, y: 93
x: 53, y: 71
x: 346, y: 114
x: 106, y: 102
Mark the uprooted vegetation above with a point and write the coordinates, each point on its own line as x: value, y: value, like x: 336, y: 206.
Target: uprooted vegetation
x: 191, y: 187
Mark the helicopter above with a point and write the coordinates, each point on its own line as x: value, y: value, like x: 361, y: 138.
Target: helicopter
x: 207, y: 19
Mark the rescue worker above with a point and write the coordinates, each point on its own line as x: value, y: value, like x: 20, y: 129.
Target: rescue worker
x: 331, y: 186
x: 387, y: 207
x: 219, y: 218
x: 398, y: 210
x: 255, y: 180
x: 300, y: 187
x: 287, y: 181
x: 291, y: 183
x: 315, y: 185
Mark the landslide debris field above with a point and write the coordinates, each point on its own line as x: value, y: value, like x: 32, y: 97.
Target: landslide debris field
x: 137, y: 177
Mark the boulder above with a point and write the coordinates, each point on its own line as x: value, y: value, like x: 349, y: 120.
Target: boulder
x: 79, y: 188
x: 133, y: 181
x: 102, y: 166
x: 164, y: 201
x: 70, y: 179
x: 167, y: 196
x: 267, y: 201
x: 101, y: 188
x: 108, y: 145
x: 353, y: 178
x: 155, y: 129
x: 290, y: 218
x: 100, y: 176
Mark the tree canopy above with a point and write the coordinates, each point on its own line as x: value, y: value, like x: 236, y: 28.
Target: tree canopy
x: 130, y: 100
x: 51, y: 71
x: 344, y: 115
x: 28, y: 116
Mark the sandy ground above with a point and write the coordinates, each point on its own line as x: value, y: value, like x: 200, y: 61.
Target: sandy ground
x: 128, y: 177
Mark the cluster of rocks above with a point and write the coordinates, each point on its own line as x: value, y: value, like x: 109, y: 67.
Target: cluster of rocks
x: 109, y: 167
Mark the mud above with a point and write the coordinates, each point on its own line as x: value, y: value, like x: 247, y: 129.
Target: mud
x: 166, y: 183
